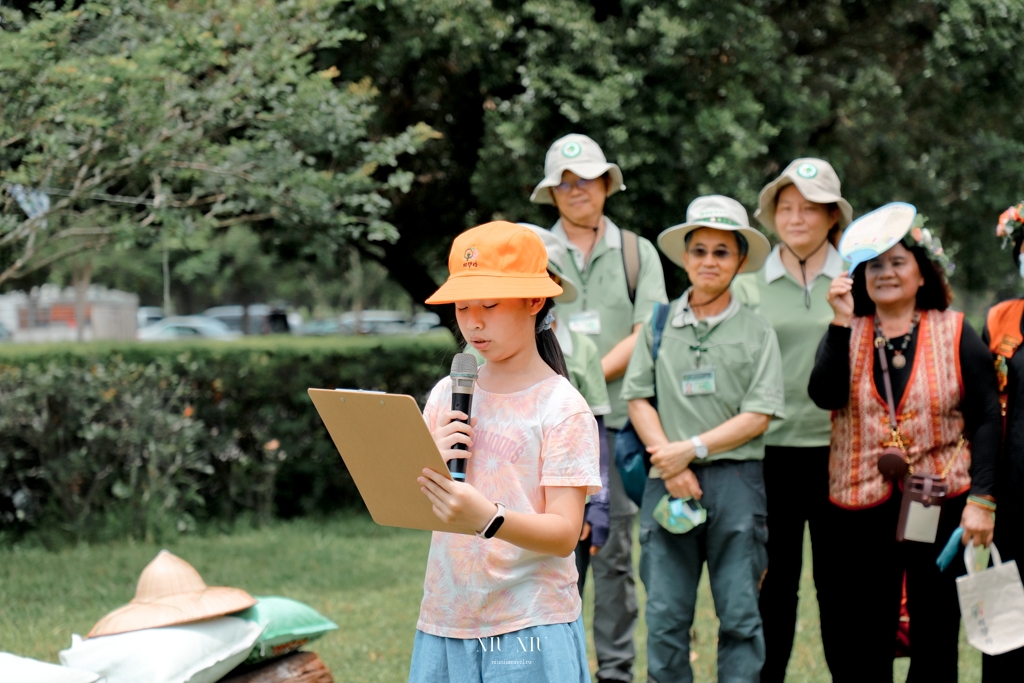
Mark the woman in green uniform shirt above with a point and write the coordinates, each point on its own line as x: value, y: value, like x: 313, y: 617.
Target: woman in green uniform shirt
x: 804, y: 207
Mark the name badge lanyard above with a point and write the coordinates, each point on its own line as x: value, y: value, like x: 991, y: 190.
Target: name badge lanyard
x: 699, y: 381
x: 699, y: 347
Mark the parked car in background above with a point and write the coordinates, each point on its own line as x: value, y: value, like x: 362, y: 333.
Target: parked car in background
x: 319, y: 328
x: 147, y: 315
x: 425, y: 322
x: 187, y: 327
x: 263, y: 319
x: 375, y: 322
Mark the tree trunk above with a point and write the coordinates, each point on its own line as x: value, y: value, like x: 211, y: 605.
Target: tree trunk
x: 82, y: 275
x: 168, y: 306
x: 402, y: 265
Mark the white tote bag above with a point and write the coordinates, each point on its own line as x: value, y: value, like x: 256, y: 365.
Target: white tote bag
x: 992, y: 604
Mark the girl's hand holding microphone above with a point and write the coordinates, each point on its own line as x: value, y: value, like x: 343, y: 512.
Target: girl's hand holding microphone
x: 454, y: 502
x: 840, y: 297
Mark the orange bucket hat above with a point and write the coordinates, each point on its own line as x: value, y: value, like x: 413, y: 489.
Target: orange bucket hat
x: 170, y: 591
x: 498, y: 260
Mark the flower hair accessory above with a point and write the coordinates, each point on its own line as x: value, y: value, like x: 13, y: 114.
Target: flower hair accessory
x: 920, y: 236
x: 1010, y: 223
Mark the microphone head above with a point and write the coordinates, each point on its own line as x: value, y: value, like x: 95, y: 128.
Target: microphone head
x: 464, y: 366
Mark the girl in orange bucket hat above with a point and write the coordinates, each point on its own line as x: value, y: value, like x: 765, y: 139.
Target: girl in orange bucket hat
x: 503, y: 604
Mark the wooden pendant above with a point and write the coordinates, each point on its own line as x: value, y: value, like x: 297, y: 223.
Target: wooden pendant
x: 899, y: 361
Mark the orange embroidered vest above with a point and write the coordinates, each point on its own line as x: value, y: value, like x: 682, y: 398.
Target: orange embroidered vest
x: 1003, y: 323
x: 929, y: 417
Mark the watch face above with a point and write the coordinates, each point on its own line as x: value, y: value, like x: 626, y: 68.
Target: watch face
x: 493, y: 528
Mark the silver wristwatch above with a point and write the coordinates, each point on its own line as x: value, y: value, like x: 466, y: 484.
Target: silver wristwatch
x: 699, y: 449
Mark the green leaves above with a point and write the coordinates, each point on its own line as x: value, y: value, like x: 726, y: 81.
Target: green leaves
x: 199, y: 116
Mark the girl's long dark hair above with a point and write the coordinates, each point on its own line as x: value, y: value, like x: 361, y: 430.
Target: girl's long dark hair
x: 547, y: 343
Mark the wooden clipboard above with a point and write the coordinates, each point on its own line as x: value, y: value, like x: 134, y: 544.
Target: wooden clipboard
x: 385, y: 445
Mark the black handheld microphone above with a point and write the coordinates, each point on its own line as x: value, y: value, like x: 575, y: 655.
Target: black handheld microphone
x: 463, y: 381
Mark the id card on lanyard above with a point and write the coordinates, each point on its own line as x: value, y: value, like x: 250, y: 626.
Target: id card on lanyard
x: 585, y: 322
x: 701, y: 380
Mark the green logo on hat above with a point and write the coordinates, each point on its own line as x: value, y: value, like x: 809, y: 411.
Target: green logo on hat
x: 571, y: 149
x: 719, y: 219
x: 807, y: 170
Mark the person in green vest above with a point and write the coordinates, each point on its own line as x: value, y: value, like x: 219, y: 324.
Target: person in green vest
x: 804, y: 207
x: 718, y: 384
x: 585, y: 374
x: 620, y: 279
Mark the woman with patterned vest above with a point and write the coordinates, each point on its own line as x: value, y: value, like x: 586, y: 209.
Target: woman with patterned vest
x: 946, y: 401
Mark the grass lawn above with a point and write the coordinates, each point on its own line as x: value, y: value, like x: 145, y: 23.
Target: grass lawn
x: 368, y: 579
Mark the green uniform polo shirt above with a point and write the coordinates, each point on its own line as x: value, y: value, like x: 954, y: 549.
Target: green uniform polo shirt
x: 775, y: 294
x: 602, y: 285
x: 744, y: 352
x: 584, y: 366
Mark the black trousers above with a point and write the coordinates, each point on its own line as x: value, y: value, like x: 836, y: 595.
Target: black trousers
x: 1008, y: 667
x: 796, y: 480
x: 861, y: 604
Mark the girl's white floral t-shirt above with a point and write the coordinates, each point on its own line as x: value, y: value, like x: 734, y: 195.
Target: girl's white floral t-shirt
x: 541, y: 436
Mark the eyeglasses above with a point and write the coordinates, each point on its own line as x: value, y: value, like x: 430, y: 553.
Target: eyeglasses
x: 567, y: 186
x: 719, y: 254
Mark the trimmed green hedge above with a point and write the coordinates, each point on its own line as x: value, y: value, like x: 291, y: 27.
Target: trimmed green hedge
x: 150, y: 439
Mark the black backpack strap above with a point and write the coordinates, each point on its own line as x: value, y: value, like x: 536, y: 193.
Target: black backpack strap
x: 631, y: 261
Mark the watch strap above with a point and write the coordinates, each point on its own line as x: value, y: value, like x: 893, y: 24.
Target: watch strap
x: 700, y: 450
x: 496, y: 521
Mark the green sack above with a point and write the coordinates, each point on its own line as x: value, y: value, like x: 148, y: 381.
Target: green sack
x: 679, y: 515
x: 290, y: 624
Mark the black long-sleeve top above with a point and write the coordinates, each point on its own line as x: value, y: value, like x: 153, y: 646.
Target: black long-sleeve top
x: 829, y: 388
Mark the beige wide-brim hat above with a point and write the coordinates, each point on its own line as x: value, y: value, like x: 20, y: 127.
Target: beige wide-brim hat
x: 720, y: 213
x: 558, y: 252
x: 581, y: 155
x: 170, y: 591
x: 817, y: 182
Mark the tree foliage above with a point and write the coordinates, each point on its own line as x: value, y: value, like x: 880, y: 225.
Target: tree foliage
x: 910, y: 100
x: 151, y: 121
x: 913, y: 100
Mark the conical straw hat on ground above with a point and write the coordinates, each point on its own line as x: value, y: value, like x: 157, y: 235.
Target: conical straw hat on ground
x: 170, y: 591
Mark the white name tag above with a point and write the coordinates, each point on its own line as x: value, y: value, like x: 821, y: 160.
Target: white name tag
x: 922, y: 522
x: 698, y: 382
x: 585, y: 322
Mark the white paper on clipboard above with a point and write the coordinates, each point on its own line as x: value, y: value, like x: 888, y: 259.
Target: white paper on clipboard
x: 385, y: 445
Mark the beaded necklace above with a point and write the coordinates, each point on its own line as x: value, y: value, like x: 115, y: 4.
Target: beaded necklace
x: 899, y: 360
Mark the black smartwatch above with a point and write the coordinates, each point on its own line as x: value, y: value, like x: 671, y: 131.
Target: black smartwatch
x: 492, y: 526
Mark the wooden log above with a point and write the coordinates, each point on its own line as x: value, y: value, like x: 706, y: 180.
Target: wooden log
x: 298, y: 667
